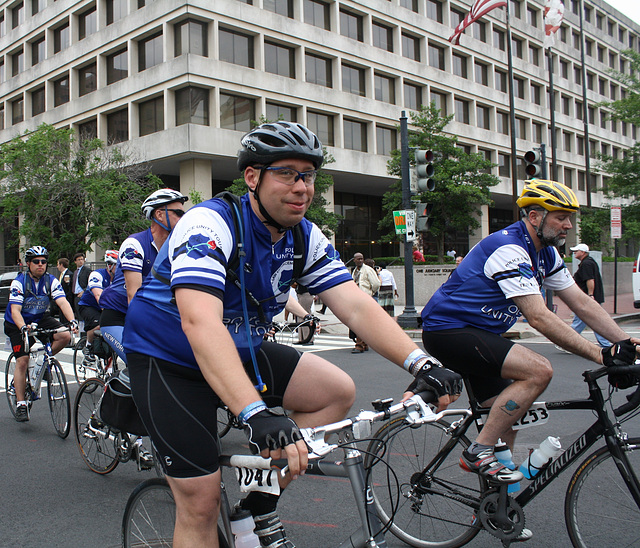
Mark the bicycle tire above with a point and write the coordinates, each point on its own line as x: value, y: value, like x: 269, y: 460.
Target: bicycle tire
x: 10, y: 392
x: 225, y: 420
x: 58, y: 396
x: 435, y: 515
x: 150, y: 515
x: 80, y: 372
x: 99, y: 453
x: 598, y: 496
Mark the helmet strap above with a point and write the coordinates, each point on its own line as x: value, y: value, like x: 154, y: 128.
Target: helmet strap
x: 168, y: 226
x: 269, y: 220
x: 546, y: 242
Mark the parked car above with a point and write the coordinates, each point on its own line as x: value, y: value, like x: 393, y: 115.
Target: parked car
x: 5, y: 283
x: 635, y: 282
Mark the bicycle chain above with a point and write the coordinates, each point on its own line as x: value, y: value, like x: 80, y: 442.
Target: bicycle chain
x: 487, y: 514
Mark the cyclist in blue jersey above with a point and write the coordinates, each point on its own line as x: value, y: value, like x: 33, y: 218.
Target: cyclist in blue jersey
x: 137, y: 253
x: 499, y: 281
x: 89, y: 304
x: 30, y: 295
x: 195, y: 330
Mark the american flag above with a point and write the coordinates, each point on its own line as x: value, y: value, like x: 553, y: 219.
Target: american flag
x: 553, y: 15
x: 479, y: 9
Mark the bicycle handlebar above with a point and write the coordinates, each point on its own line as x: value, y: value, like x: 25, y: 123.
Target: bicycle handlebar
x: 633, y: 400
x: 36, y: 331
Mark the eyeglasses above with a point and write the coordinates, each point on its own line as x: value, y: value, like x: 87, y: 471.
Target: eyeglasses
x: 290, y: 176
x: 178, y: 212
x: 39, y: 261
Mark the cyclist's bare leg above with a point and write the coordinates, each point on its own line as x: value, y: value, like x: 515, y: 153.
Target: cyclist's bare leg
x: 531, y: 373
x: 20, y: 376
x: 197, y: 507
x: 60, y: 341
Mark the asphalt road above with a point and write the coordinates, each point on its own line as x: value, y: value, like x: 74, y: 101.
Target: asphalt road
x: 50, y: 498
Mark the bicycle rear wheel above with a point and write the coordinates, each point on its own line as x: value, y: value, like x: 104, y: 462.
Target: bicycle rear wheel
x: 150, y: 516
x: 96, y: 443
x: 424, y: 507
x: 598, y: 496
x: 59, y: 403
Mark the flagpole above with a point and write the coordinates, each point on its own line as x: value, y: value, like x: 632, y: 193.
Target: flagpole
x: 552, y: 118
x: 512, y: 119
x: 585, y: 111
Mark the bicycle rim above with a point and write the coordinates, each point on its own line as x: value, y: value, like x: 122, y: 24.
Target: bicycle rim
x: 9, y: 372
x: 597, y: 497
x: 225, y: 419
x: 149, y: 516
x: 59, y: 403
x: 425, y: 511
x: 286, y: 335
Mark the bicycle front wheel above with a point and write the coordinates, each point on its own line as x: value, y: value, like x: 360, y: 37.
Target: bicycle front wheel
x: 82, y: 370
x: 96, y: 443
x: 598, y: 496
x: 423, y: 497
x: 59, y: 403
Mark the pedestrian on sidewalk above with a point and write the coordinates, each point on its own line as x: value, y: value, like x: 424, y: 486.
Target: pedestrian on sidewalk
x: 367, y: 280
x: 388, y: 291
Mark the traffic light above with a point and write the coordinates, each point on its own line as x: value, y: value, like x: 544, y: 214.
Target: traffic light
x: 424, y: 170
x: 423, y: 217
x: 533, y: 159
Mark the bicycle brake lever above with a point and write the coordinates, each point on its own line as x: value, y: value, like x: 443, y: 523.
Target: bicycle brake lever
x: 418, y: 412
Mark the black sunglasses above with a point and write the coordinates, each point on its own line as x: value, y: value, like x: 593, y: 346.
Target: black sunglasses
x: 39, y: 261
x: 178, y: 212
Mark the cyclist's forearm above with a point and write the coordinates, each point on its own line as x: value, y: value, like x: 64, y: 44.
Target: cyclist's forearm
x: 66, y: 309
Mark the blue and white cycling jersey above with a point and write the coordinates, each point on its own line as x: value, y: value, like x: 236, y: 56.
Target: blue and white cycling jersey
x: 502, y: 266
x: 32, y: 296
x: 100, y: 279
x: 137, y: 254
x: 196, y: 255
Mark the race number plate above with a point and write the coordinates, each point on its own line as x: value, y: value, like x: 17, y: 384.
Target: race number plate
x: 537, y: 414
x: 253, y: 479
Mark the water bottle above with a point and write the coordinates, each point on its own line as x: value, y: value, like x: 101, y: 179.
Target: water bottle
x: 242, y: 526
x: 32, y: 367
x: 503, y: 454
x: 548, y: 450
x: 38, y: 367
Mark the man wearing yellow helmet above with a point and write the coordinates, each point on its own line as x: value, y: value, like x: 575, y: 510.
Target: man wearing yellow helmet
x: 498, y: 281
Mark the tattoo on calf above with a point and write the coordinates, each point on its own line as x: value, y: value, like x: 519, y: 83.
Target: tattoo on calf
x: 510, y: 407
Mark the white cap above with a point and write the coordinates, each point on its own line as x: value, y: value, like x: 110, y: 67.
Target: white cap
x: 580, y: 247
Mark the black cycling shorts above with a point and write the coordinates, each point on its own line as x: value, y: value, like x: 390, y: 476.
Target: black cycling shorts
x: 90, y: 316
x: 474, y: 353
x: 15, y: 335
x: 178, y: 407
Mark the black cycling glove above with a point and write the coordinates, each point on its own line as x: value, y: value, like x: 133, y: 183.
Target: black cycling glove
x: 621, y: 353
x: 440, y: 380
x: 268, y: 430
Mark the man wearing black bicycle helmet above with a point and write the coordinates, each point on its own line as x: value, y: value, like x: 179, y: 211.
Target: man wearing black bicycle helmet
x: 195, y: 332
x: 30, y: 295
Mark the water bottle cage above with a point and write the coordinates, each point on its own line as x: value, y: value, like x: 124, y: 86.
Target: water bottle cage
x: 534, y: 470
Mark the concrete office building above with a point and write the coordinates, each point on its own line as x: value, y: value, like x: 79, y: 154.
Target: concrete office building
x: 178, y: 82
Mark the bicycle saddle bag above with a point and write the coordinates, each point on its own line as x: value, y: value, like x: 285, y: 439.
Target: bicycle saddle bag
x: 117, y: 407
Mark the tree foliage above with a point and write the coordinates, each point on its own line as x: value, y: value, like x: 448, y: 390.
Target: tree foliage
x: 462, y: 180
x: 70, y: 194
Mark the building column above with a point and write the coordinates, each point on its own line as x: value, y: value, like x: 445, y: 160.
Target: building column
x: 195, y: 175
x: 483, y: 231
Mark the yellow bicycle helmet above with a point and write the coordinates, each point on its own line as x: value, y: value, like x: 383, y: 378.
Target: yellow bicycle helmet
x: 550, y: 195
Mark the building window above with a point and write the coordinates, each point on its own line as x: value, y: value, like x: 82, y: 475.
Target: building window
x: 1, y: 116
x: 382, y: 36
x: 384, y: 88
x: 456, y: 17
x: 118, y: 126
x: 501, y: 81
x: 318, y: 70
x: 386, y: 140
x: 461, y: 111
x: 536, y: 129
x: 566, y: 105
x: 439, y: 100
x: 351, y: 25
x: 353, y: 80
x: 17, y: 62
x: 37, y: 6
x: 3, y: 31
x: 355, y: 135
x: 577, y: 74
x: 117, y: 68
x: 436, y: 56
x: 532, y: 17
x: 192, y: 106
x: 410, y: 5
x: 411, y: 47
x: 150, y: 52
x: 534, y: 55
x: 579, y: 110
x: 61, y: 38
x: 568, y: 177
x: 87, y: 79
x: 566, y: 141
x: 17, y: 15
x: 322, y: 125
x: 502, y: 123
x: 434, y: 10
x: 61, y: 91
x: 281, y: 7
x: 316, y: 13
x: 279, y: 59
x: 151, y: 116
x: 459, y: 65
x: 412, y: 96
x: 3, y: 74
x: 236, y: 112
x: 87, y: 23
x: 191, y: 37
x: 482, y: 117
x: 517, y: 49
x: 236, y: 48
x: 88, y: 131
x: 275, y: 112
x: 116, y: 10
x: 515, y: 8
x: 504, y: 164
x: 521, y: 128
x: 499, y: 40
x: 38, y: 51
x: 37, y: 101
x: 480, y: 31
x: 17, y: 110
x: 518, y: 87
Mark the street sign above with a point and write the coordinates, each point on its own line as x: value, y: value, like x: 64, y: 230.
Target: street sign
x: 616, y: 222
x: 400, y: 222
x: 410, y: 219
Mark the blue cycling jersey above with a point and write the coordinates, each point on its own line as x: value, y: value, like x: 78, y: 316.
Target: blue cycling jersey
x: 32, y: 296
x: 137, y: 254
x: 479, y: 293
x: 100, y: 279
x: 196, y: 255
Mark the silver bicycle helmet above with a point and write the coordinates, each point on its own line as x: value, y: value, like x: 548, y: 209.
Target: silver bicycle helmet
x: 36, y: 251
x: 111, y: 256
x: 159, y: 198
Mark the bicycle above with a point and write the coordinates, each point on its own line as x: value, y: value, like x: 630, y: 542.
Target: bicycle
x: 105, y: 359
x: 51, y: 371
x: 441, y: 506
x: 150, y: 511
x: 290, y: 333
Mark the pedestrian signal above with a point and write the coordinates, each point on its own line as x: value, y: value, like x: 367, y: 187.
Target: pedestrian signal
x: 423, y: 217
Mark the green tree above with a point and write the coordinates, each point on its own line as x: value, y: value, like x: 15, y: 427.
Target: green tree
x: 462, y: 180
x: 70, y: 194
x: 594, y: 228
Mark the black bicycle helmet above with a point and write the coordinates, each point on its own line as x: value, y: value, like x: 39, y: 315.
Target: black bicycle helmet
x: 275, y: 141
x: 36, y: 251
